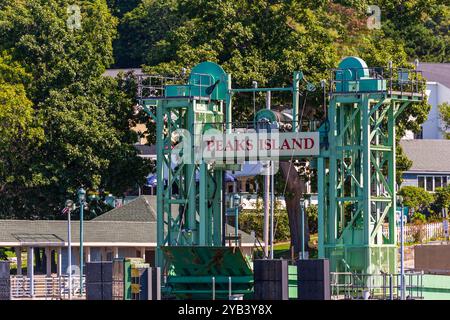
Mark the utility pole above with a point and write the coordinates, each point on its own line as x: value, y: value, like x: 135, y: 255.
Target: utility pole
x: 267, y: 194
x: 266, y: 212
x: 81, y: 199
x: 302, y: 218
x: 68, y: 210
x: 272, y: 205
x: 402, y: 257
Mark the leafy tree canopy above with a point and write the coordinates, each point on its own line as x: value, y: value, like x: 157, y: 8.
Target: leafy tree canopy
x: 415, y: 198
x: 85, y: 117
x: 444, y: 111
x: 19, y: 127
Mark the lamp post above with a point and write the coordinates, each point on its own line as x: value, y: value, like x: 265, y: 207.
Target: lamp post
x: 236, y: 205
x: 272, y: 207
x: 81, y: 193
x: 402, y: 257
x: 68, y: 210
x: 302, y: 225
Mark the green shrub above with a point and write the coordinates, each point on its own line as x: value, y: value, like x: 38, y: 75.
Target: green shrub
x: 255, y: 221
x: 434, y: 217
x: 418, y: 218
x: 3, y: 255
x: 419, y: 233
x: 252, y: 220
x: 416, y: 198
x: 441, y: 199
x: 313, y: 215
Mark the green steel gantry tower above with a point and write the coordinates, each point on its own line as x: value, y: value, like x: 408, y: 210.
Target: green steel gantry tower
x: 190, y: 198
x: 194, y: 188
x: 355, y: 168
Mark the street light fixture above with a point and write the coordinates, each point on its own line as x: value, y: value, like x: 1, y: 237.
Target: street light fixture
x: 81, y: 193
x: 402, y: 256
x: 68, y: 209
x: 302, y: 223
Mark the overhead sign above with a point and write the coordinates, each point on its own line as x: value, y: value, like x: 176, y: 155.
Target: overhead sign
x: 256, y: 146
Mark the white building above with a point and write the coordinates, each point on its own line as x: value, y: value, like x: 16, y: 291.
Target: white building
x: 438, y: 92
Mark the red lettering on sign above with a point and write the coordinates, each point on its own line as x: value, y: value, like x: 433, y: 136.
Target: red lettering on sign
x: 219, y: 145
x: 241, y: 145
x: 297, y: 142
x: 311, y: 145
x: 229, y: 146
x: 210, y: 144
x: 285, y: 145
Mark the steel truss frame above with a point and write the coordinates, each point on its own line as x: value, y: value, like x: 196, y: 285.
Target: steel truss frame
x: 357, y: 182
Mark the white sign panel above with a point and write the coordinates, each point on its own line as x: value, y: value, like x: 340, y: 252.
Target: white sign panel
x: 258, y: 146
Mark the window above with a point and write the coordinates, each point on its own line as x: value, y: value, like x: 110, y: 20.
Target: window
x: 437, y: 182
x: 421, y: 182
x: 419, y: 135
x: 430, y: 183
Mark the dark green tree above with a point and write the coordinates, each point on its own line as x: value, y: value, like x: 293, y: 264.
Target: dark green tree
x: 444, y: 112
x: 416, y: 198
x: 85, y: 116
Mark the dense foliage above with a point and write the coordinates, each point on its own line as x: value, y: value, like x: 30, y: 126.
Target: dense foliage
x: 415, y: 198
x: 83, y: 117
x: 252, y: 220
x: 65, y: 125
x: 421, y: 26
x: 444, y: 111
x: 441, y: 200
x: 425, y: 204
x: 266, y: 40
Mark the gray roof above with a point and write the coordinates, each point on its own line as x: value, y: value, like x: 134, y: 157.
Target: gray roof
x: 133, y: 223
x: 436, y: 72
x: 142, y: 208
x: 428, y: 155
x: 55, y: 232
x: 146, y: 150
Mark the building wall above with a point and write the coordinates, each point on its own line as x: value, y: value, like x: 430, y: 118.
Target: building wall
x: 432, y: 258
x: 409, y: 179
x: 102, y: 254
x: 437, y: 180
x: 65, y: 260
x: 432, y: 128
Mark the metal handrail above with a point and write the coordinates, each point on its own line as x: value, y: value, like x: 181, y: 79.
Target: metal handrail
x: 47, y: 287
x: 396, y: 83
x: 154, y: 86
x: 375, y: 286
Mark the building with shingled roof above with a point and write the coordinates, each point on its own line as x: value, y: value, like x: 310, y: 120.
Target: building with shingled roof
x: 125, y: 231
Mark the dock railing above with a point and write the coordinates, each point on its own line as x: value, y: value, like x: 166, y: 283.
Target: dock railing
x: 45, y: 287
x: 383, y: 286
